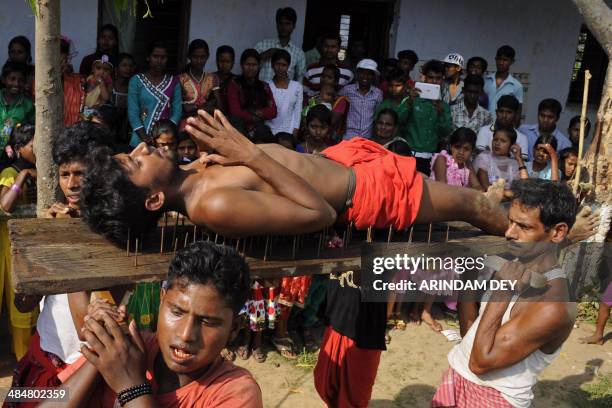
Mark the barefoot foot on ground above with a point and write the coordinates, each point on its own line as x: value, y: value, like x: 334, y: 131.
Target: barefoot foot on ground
x: 594, y: 339
x: 433, y: 323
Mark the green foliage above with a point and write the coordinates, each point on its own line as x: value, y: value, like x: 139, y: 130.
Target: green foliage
x: 597, y: 394
x: 32, y: 4
x: 130, y: 7
x: 306, y: 360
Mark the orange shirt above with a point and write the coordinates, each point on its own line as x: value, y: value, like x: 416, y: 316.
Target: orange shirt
x: 223, y: 385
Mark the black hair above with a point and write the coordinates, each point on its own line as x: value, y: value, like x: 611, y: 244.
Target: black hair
x: 473, y: 80
x: 482, y: 61
x: 64, y: 46
x: 10, y: 67
x: 77, y: 141
x: 396, y: 75
x: 107, y: 114
x: 463, y: 135
x: 225, y: 49
x: 320, y: 112
x: 157, y: 44
x: 563, y: 155
x: 331, y: 36
x: 408, y: 54
x: 587, y: 124
x: 205, y: 263
x: 505, y: 51
x: 25, y: 43
x: 263, y: 134
x: 250, y: 53
x: 287, y: 137
x: 164, y: 126
x: 286, y: 13
x: 255, y: 95
x: 197, y: 44
x: 280, y: 55
x: 182, y: 136
x: 509, y: 102
x: 125, y: 55
x: 547, y: 138
x: 390, y: 62
x: 333, y: 67
x: 433, y: 66
x: 113, y: 29
x: 509, y: 131
x: 390, y: 112
x: 21, y: 135
x: 554, y: 200
x: 112, y: 204
x: 552, y: 105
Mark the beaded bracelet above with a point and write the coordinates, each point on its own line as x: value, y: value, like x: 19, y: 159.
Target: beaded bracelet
x: 134, y: 392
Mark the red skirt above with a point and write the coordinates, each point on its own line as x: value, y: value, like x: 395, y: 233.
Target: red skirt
x: 345, y: 374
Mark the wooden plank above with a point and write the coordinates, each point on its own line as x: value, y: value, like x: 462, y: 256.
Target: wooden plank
x: 53, y: 256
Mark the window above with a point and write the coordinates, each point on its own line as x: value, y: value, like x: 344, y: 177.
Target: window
x: 589, y: 55
x: 345, y: 28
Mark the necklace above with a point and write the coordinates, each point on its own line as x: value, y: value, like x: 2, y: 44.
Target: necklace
x: 194, y: 77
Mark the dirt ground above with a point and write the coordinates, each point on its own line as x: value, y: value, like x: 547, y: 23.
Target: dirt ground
x: 411, y: 369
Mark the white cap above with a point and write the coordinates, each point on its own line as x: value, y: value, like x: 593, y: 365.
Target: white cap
x: 368, y: 64
x: 454, y: 58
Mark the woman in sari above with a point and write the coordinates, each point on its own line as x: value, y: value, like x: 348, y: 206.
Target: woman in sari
x: 199, y: 88
x: 153, y: 95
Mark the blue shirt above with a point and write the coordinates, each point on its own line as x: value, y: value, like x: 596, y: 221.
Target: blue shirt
x: 532, y: 132
x: 544, y: 174
x: 360, y: 117
x: 510, y: 86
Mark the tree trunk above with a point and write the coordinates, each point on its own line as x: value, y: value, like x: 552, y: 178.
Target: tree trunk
x: 49, y: 99
x: 598, y: 17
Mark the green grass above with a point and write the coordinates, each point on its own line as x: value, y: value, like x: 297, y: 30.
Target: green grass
x: 597, y: 394
x: 306, y: 360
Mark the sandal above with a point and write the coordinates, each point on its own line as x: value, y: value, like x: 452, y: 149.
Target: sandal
x: 284, y: 345
x: 258, y: 355
x: 243, y: 352
x: 228, y: 354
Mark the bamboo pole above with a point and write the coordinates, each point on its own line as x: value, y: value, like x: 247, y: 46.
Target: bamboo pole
x: 585, y: 97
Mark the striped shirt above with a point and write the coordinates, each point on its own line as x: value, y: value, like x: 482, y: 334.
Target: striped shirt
x: 298, y: 60
x: 360, y: 116
x: 312, y: 79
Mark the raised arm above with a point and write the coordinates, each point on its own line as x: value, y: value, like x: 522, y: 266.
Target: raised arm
x: 295, y: 207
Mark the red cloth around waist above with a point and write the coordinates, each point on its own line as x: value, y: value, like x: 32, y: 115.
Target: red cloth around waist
x: 388, y: 187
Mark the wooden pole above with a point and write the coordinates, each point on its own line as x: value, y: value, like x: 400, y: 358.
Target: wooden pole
x: 49, y: 99
x: 585, y: 97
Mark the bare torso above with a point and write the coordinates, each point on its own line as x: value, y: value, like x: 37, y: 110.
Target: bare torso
x: 328, y: 178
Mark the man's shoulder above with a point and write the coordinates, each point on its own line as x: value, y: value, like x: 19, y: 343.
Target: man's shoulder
x: 514, y: 81
x: 528, y: 128
x: 236, y: 383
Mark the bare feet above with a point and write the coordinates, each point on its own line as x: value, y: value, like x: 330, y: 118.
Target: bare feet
x: 433, y: 323
x: 491, y: 216
x: 414, y: 317
x: 594, y: 339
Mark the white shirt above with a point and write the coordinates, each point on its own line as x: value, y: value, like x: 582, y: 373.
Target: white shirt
x: 485, y: 137
x: 56, y: 329
x: 288, y: 107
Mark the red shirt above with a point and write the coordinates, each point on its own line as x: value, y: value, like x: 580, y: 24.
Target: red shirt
x: 236, y: 101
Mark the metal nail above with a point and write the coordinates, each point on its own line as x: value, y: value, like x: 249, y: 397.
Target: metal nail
x: 429, y: 234
x: 161, y: 244
x: 265, y: 257
x: 195, y: 232
x: 136, y: 253
x: 127, y: 250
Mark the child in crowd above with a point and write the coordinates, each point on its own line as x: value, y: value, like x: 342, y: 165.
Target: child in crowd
x: 99, y: 84
x: 396, y: 99
x: 569, y: 161
x: 18, y: 186
x: 15, y: 106
x: 126, y: 66
x: 318, y: 124
x: 478, y: 66
x: 186, y: 148
x: 165, y: 134
x: 545, y: 163
x: 573, y: 131
x: 455, y: 168
x: 339, y: 105
x: 225, y: 58
x: 288, y: 96
x: 286, y: 139
x: 496, y: 164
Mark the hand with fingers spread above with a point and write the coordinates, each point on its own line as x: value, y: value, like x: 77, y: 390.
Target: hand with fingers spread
x: 119, y: 357
x: 99, y: 307
x: 586, y: 225
x: 227, y: 146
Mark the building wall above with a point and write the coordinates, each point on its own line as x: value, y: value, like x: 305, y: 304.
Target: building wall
x: 544, y: 34
x: 240, y: 23
x: 79, y: 21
